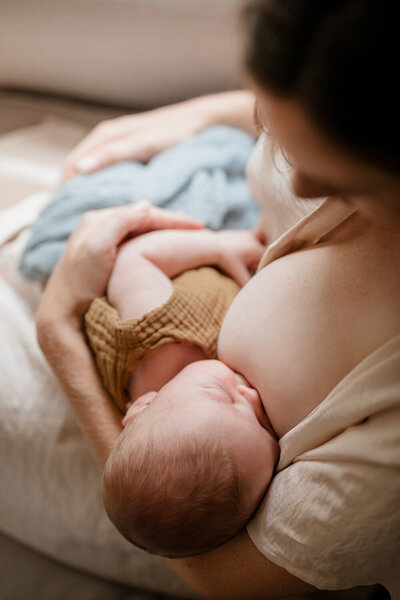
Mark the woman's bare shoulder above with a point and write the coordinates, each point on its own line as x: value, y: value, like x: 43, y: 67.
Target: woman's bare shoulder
x: 309, y: 318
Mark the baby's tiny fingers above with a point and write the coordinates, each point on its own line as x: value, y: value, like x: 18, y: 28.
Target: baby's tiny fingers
x: 239, y: 272
x: 260, y: 236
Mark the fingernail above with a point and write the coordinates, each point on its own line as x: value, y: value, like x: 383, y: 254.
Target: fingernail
x: 87, y: 163
x: 142, y: 206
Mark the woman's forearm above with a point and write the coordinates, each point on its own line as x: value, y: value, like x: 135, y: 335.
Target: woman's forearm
x: 234, y: 109
x: 64, y: 344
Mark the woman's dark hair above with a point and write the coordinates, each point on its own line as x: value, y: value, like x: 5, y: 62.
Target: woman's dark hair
x: 339, y: 59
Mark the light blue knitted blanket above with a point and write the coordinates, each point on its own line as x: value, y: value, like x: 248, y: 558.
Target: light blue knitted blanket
x: 203, y: 176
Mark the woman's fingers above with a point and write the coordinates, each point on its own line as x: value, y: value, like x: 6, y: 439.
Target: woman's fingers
x: 110, y: 226
x: 135, y: 137
x: 153, y: 217
x: 84, y: 268
x: 107, y: 153
x: 84, y: 157
x: 142, y: 218
x: 110, y: 153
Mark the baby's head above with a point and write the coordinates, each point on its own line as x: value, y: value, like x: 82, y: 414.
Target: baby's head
x: 192, y: 464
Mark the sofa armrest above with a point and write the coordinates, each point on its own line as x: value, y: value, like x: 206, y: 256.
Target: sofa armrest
x: 134, y: 53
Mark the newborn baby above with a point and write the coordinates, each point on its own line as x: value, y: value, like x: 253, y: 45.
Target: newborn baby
x: 197, y: 451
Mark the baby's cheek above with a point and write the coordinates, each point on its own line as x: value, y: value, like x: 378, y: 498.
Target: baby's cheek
x: 261, y: 463
x: 274, y: 448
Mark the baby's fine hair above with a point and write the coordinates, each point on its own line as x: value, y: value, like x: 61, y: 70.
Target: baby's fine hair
x: 170, y: 493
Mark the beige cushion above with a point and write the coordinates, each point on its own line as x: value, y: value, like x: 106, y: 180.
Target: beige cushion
x: 131, y: 52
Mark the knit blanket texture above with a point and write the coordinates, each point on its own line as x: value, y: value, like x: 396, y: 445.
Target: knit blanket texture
x: 203, y: 176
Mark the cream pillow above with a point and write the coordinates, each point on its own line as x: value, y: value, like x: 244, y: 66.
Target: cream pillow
x: 50, y: 482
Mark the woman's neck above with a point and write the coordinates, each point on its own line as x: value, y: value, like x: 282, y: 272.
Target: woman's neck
x: 358, y: 227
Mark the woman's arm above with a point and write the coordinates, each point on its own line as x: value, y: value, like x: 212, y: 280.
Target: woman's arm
x: 80, y: 276
x: 64, y: 344
x: 237, y: 570
x: 141, y: 136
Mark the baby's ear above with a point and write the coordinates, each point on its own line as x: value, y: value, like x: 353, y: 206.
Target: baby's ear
x: 136, y: 407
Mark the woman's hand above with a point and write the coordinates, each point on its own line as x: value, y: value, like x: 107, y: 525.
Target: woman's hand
x: 240, y: 252
x: 141, y: 136
x: 84, y: 269
x: 136, y: 137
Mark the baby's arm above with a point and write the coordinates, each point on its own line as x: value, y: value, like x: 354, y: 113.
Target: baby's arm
x: 140, y: 280
x: 136, y: 285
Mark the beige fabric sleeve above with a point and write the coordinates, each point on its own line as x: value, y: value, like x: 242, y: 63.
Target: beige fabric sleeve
x: 332, y: 513
x: 193, y: 314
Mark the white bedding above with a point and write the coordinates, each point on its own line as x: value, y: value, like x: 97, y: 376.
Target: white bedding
x: 50, y: 493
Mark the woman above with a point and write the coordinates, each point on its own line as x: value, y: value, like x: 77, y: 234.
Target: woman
x: 322, y: 75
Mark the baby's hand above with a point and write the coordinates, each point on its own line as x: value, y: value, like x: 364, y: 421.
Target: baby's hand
x: 240, y: 252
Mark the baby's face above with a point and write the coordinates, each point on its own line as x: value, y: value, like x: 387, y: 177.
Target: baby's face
x: 208, y: 398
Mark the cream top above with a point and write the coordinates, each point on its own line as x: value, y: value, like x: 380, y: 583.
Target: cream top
x: 332, y: 513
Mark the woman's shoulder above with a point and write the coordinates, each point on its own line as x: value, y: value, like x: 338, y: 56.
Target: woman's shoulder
x: 363, y: 406
x: 358, y: 262
x: 347, y: 288
x: 311, y: 317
